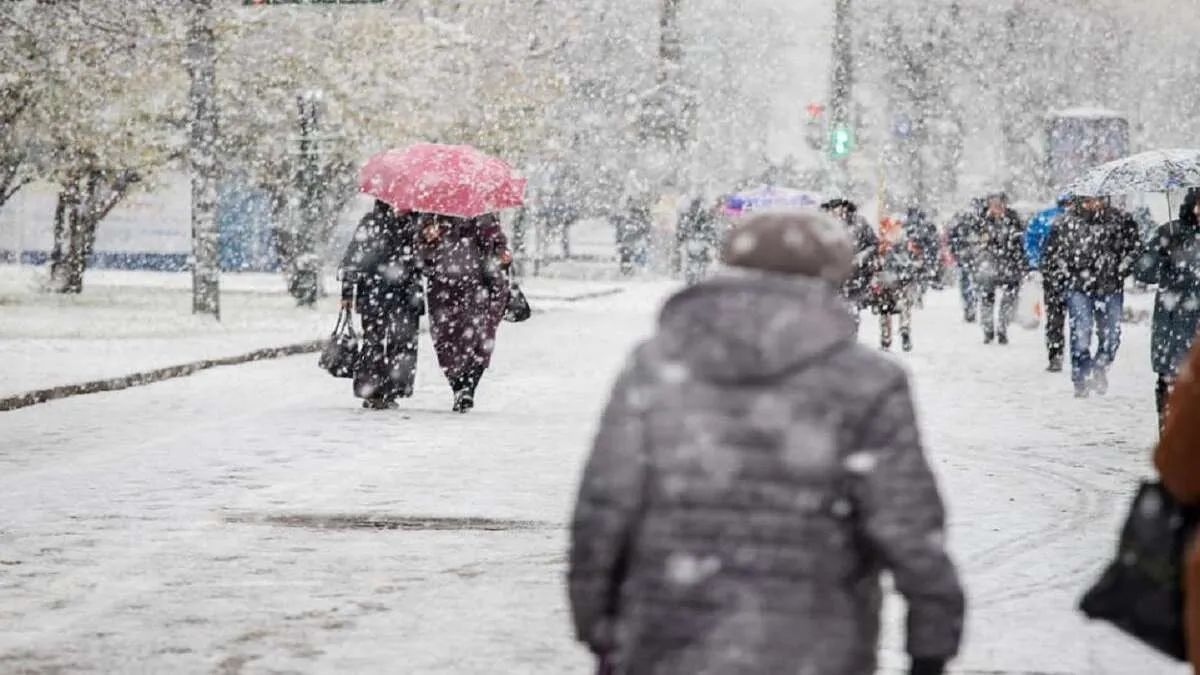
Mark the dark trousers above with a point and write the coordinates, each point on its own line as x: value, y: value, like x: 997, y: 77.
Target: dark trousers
x: 1162, y: 395
x: 387, y: 360
x: 987, y: 304
x: 966, y: 286
x: 1055, y: 300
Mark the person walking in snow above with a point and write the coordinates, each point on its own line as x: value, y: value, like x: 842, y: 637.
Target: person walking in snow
x: 1053, y: 295
x: 754, y: 473
x: 857, y: 289
x: 466, y: 264
x: 633, y: 229
x: 696, y: 239
x: 381, y: 278
x: 999, y: 265
x: 896, y: 287
x: 1177, y: 458
x: 1171, y: 260
x: 920, y: 231
x: 1089, y: 253
x: 962, y: 237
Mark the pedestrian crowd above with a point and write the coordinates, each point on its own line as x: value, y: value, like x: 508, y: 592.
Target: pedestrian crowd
x: 753, y: 477
x: 757, y: 469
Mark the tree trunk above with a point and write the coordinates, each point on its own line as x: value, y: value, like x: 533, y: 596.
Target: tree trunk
x: 202, y: 159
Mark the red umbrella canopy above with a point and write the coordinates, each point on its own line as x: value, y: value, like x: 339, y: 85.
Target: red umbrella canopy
x: 451, y: 180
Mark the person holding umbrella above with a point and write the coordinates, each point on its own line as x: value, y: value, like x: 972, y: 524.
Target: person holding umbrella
x: 1171, y: 260
x: 381, y: 278
x: 454, y: 192
x: 1089, y: 253
x: 466, y: 267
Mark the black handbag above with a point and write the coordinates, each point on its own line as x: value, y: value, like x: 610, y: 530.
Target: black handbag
x: 341, y: 353
x: 518, y: 309
x: 1141, y: 592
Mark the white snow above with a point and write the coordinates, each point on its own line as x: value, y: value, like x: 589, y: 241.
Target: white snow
x: 134, y: 533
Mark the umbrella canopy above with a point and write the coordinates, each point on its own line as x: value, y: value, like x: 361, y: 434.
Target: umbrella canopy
x: 1154, y: 171
x: 768, y: 197
x: 450, y: 180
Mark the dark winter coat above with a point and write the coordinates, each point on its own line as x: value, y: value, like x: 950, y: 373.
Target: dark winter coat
x: 755, y: 471
x: 898, y: 271
x: 468, y: 289
x: 866, y: 250
x: 962, y: 237
x: 1091, y: 253
x: 381, y: 269
x: 923, y: 234
x: 1171, y: 259
x: 999, y: 243
x: 697, y: 233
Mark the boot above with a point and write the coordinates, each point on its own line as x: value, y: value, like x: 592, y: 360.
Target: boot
x: 1056, y: 364
x: 988, y: 336
x: 1002, y: 337
x: 463, y: 401
x: 906, y: 340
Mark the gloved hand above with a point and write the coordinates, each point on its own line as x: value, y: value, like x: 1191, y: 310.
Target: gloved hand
x: 927, y: 666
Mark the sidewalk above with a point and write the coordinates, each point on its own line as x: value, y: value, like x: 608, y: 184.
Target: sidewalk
x: 126, y: 322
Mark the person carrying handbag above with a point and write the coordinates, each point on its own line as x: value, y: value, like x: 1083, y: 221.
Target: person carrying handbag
x: 1177, y: 459
x: 381, y: 280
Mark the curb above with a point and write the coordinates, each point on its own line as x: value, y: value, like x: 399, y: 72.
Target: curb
x: 35, y: 397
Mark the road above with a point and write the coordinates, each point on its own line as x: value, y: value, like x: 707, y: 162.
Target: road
x: 254, y: 519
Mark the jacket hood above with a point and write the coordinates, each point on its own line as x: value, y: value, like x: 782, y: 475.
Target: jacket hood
x: 746, y: 326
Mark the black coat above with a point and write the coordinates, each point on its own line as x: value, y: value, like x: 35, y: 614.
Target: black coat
x: 1091, y: 253
x: 866, y: 251
x: 999, y: 248
x: 381, y: 268
x: 1171, y: 259
x: 961, y: 237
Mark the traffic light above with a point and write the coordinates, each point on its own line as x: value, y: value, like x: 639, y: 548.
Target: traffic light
x: 841, y: 141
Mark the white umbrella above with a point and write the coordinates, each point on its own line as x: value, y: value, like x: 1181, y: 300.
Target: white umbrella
x: 1154, y: 171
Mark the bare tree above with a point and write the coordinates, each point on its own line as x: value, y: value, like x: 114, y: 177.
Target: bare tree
x: 201, y: 63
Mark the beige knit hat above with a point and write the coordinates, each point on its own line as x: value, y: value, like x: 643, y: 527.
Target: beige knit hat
x: 803, y: 242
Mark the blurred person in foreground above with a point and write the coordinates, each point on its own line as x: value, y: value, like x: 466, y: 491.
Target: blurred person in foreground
x: 1170, y: 259
x: 754, y: 473
x: 1177, y: 459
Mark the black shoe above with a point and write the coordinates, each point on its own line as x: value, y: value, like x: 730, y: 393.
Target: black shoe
x: 987, y: 338
x: 906, y: 342
x: 378, y: 404
x: 1056, y: 365
x: 1002, y: 338
x: 885, y: 345
x: 463, y: 402
x: 969, y: 317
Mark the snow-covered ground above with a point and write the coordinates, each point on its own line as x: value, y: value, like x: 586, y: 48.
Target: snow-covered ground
x: 177, y: 527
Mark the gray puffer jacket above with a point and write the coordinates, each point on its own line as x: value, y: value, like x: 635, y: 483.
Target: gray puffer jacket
x: 754, y: 473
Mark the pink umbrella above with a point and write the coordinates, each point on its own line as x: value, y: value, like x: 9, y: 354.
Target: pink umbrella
x: 451, y: 180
